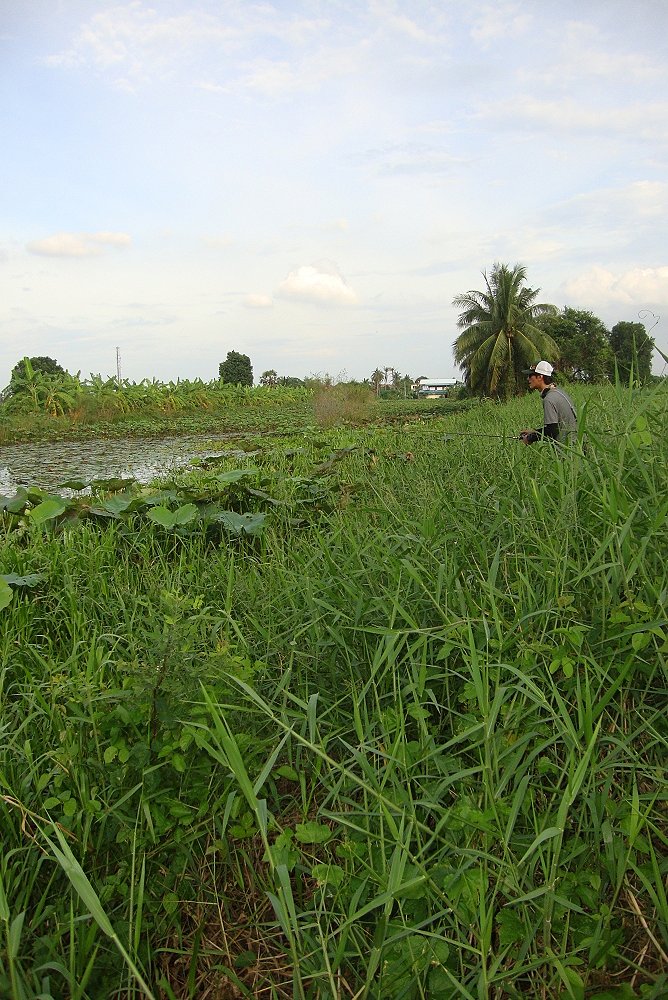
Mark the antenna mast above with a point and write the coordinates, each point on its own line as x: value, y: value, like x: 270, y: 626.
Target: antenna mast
x: 118, y: 366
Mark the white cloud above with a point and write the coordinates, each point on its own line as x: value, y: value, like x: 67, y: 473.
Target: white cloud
x: 78, y: 244
x: 137, y: 43
x: 398, y: 22
x: 258, y: 301
x: 138, y: 38
x: 499, y: 21
x: 639, y: 286
x: 320, y: 283
x: 637, y: 121
x: 585, y: 52
x: 274, y: 78
x: 406, y: 159
x: 620, y: 213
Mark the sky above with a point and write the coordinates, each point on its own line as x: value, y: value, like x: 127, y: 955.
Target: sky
x: 311, y: 183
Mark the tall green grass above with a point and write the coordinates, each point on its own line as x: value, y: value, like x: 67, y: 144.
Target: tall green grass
x: 410, y: 742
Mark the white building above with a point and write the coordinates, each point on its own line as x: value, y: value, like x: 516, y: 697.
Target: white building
x: 432, y: 388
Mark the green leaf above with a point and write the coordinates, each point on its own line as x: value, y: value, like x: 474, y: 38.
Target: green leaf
x: 417, y: 712
x: 170, y: 902
x: 171, y: 519
x: 118, y: 504
x: 241, y: 832
x: 234, y: 475
x: 440, y: 984
x: 511, y: 929
x: 332, y: 875
x: 47, y: 510
x: 249, y: 524
x: 113, y: 485
x: 573, y: 983
x: 187, y: 513
x: 14, y: 936
x: 153, y: 499
x: 440, y: 951
x: 4, y: 905
x: 31, y: 580
x: 163, y: 516
x: 245, y: 960
x: 17, y: 503
x: 6, y: 594
x: 287, y: 772
x: 312, y: 833
x: 73, y: 484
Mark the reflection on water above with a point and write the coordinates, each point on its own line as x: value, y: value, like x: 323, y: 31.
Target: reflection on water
x: 48, y: 464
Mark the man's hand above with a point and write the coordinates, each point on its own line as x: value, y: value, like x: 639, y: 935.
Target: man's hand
x: 524, y: 436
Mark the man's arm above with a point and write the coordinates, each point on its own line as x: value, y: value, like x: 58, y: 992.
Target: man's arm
x: 548, y: 431
x: 551, y: 428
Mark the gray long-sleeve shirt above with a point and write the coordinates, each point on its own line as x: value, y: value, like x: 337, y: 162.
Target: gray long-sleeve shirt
x: 561, y: 420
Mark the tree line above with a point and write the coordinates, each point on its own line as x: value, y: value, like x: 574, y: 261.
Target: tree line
x: 504, y: 330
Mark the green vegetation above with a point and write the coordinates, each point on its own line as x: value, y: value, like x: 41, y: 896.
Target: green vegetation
x: 584, y: 350
x: 633, y: 349
x: 504, y: 330
x: 58, y: 408
x: 236, y: 369
x: 373, y: 712
x: 24, y: 370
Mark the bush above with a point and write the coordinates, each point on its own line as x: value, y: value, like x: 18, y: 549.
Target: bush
x: 339, y: 404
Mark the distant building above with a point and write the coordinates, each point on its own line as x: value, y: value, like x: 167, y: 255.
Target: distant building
x: 432, y: 388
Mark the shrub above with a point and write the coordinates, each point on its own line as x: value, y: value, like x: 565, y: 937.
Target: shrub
x: 337, y: 404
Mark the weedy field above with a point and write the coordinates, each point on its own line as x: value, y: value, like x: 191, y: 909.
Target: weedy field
x: 373, y: 712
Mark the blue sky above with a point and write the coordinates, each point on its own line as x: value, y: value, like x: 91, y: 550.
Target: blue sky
x: 310, y: 183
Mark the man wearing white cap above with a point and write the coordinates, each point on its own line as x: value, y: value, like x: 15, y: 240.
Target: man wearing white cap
x: 561, y: 422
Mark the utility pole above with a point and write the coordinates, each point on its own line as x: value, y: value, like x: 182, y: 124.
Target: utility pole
x: 118, y: 367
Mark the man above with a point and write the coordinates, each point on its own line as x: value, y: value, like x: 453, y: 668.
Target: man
x: 561, y: 422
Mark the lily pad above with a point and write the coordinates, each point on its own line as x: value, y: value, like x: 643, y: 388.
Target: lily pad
x: 234, y: 475
x: 247, y: 524
x: 47, y: 510
x: 73, y: 484
x: 31, y: 580
x: 173, y: 518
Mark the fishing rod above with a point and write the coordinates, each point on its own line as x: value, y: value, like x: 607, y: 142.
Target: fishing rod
x: 495, y: 437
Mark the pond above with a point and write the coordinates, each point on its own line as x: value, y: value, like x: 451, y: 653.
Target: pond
x: 48, y: 464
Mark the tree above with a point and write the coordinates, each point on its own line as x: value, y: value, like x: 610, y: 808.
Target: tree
x: 583, y: 349
x: 270, y: 377
x: 23, y: 373
x: 632, y: 350
x: 404, y: 383
x: 501, y: 334
x: 290, y: 381
x: 377, y: 377
x: 236, y: 369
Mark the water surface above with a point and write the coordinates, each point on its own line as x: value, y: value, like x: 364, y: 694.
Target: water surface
x: 49, y: 463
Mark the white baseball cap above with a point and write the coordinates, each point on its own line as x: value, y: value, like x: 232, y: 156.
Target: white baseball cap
x: 540, y: 368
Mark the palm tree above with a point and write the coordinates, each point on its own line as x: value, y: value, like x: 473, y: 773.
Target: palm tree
x: 377, y: 380
x: 500, y: 332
